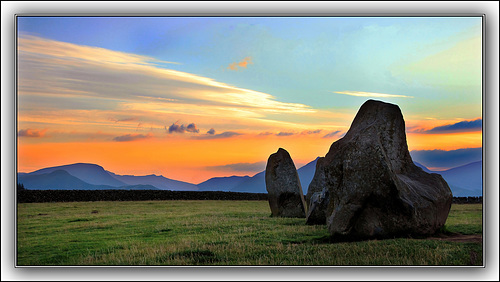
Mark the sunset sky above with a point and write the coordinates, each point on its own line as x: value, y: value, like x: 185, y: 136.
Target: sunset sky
x: 192, y: 98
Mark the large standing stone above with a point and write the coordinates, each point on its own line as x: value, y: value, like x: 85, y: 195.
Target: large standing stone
x: 283, y: 186
x: 375, y: 190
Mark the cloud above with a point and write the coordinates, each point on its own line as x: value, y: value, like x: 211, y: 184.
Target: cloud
x: 466, y: 125
x: 31, y: 133
x: 132, y: 137
x: 242, y: 64
x: 308, y: 132
x: 285, y: 134
x: 291, y: 133
x: 226, y: 134
x: 192, y: 128
x: 267, y: 133
x: 332, y: 134
x: 447, y: 159
x: 371, y: 94
x: 66, y: 76
x: 182, y: 128
x: 176, y: 128
x: 211, y: 131
x: 126, y: 119
x: 240, y: 167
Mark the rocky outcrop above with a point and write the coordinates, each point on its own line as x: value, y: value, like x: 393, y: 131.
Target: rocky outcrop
x: 374, y: 188
x: 283, y: 186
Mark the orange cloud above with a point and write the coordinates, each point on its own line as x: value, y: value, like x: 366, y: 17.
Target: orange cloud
x: 243, y: 63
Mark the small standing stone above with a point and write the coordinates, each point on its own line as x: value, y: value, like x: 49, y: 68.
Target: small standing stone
x: 286, y: 198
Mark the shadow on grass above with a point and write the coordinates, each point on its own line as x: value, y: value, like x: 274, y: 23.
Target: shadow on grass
x: 331, y: 239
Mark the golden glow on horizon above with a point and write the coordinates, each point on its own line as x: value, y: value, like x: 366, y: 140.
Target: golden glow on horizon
x: 448, y: 141
x: 190, y: 160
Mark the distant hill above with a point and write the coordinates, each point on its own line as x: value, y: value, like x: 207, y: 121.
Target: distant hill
x: 306, y: 174
x: 422, y: 167
x: 222, y: 183
x: 464, y: 181
x: 468, y: 177
x: 58, y: 179
x: 254, y: 184
x: 257, y: 183
x: 90, y: 173
x: 86, y: 176
x: 62, y: 180
x: 157, y: 181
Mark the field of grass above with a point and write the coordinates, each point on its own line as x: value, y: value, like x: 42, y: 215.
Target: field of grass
x: 216, y: 233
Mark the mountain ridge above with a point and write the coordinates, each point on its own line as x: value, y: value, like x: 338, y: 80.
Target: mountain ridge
x: 465, y: 180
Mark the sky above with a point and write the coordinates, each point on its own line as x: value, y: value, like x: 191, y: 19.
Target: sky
x: 192, y: 98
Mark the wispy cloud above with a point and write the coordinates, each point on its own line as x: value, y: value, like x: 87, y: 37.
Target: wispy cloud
x: 31, y: 133
x: 127, y: 119
x: 73, y: 52
x: 291, y: 133
x: 132, y: 137
x: 240, y: 167
x: 267, y: 133
x: 242, y: 64
x: 285, y: 134
x: 60, y: 76
x: 227, y: 134
x: 371, y: 94
x: 332, y: 134
x: 309, y: 132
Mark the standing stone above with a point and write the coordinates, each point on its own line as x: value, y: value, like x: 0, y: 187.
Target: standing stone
x: 283, y: 186
x: 375, y: 190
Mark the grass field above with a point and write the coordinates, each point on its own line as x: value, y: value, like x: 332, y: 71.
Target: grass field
x: 216, y: 233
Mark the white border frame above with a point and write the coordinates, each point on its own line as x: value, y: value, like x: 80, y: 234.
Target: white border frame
x: 312, y: 8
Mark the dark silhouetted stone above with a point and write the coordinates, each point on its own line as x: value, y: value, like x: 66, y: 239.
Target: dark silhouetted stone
x: 283, y: 186
x: 375, y: 189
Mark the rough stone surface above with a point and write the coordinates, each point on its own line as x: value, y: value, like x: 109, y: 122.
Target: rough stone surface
x: 285, y: 195
x: 317, y: 211
x: 375, y: 190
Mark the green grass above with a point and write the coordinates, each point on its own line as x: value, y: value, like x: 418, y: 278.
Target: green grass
x: 465, y: 219
x: 215, y: 233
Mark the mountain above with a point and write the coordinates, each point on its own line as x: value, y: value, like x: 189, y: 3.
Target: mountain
x: 422, y: 167
x: 254, y: 184
x: 92, y: 177
x: 464, y: 181
x: 257, y: 183
x: 466, y: 177
x: 62, y: 180
x: 90, y: 173
x: 306, y: 174
x: 57, y: 179
x: 157, y: 181
x: 222, y: 183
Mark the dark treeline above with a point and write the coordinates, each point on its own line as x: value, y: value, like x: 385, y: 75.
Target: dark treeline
x: 468, y: 200
x: 40, y: 196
